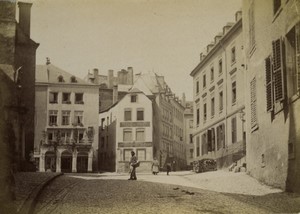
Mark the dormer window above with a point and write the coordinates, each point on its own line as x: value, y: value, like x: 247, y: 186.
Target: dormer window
x: 60, y: 78
x: 133, y: 98
x: 73, y: 79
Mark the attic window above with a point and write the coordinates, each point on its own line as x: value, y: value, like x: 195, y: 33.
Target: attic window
x: 73, y: 79
x: 60, y: 78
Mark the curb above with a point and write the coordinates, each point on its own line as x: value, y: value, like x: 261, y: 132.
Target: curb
x: 29, y: 204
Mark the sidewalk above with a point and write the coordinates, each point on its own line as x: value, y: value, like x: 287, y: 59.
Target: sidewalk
x: 28, y: 186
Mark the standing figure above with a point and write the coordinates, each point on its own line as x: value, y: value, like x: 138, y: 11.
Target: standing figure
x: 168, y: 168
x: 133, y: 164
x: 155, y: 166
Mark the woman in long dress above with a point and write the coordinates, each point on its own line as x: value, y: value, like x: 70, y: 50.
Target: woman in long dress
x: 155, y: 166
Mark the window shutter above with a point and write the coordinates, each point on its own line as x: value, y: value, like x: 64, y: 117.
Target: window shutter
x: 298, y: 54
x: 269, y: 84
x: 253, y: 102
x: 278, y: 70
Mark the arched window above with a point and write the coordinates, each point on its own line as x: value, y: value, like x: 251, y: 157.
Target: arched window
x: 60, y: 78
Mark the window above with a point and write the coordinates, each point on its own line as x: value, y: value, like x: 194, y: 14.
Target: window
x: 233, y: 55
x: 60, y: 78
x: 52, y: 118
x: 102, y: 122
x: 220, y: 66
x: 50, y: 136
x: 53, y: 97
x: 65, y: 118
x: 127, y: 135
x: 191, y: 138
x: 276, y: 5
x: 141, y: 154
x: 191, y: 153
x: 278, y: 70
x: 140, y: 135
x: 197, y: 87
x: 233, y: 92
x: 253, y: 103
x: 204, y: 112
x: 78, y: 118
x: 221, y: 101
x: 233, y: 130
x: 251, y: 27
x: 65, y: 136
x: 204, y: 81
x: 198, y: 116
x: 212, y: 74
x: 127, y: 115
x: 198, y: 146
x: 73, y: 79
x: 191, y: 123
x: 140, y: 114
x: 133, y: 98
x: 79, y: 98
x: 66, y: 98
x: 212, y: 107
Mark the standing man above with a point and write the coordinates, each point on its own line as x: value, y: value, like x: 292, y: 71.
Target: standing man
x: 168, y: 168
x: 133, y: 164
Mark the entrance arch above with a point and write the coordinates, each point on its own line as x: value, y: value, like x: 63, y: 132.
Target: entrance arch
x: 66, y: 161
x: 82, y: 161
x: 50, y: 161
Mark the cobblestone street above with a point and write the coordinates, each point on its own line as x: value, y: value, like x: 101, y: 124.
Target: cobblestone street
x: 112, y: 194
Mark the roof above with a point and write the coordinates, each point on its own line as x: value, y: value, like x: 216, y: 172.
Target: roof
x: 50, y: 74
x: 8, y: 70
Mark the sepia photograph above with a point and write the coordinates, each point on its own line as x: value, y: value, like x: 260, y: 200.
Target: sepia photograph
x: 149, y: 106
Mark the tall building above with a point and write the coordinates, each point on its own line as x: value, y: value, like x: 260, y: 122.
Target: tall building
x: 124, y: 127
x: 17, y: 57
x: 66, y: 131
x: 188, y: 133
x: 219, y: 104
x: 272, y: 49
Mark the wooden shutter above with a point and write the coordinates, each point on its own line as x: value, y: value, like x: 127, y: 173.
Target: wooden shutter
x: 209, y: 138
x: 213, y: 140
x: 278, y: 70
x: 297, y: 29
x: 269, y: 83
x: 253, y: 102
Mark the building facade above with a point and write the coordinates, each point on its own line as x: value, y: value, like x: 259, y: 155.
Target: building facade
x: 66, y: 131
x: 219, y: 104
x: 272, y: 48
x: 124, y: 127
x: 188, y: 133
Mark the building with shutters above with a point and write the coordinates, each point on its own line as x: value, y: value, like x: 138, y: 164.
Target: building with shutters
x: 188, y: 133
x: 272, y: 49
x: 66, y: 131
x: 219, y: 103
x: 124, y: 127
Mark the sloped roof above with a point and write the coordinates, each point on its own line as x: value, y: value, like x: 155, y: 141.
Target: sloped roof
x: 8, y: 70
x: 42, y: 72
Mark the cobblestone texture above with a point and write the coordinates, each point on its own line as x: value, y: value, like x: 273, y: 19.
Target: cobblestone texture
x: 100, y: 194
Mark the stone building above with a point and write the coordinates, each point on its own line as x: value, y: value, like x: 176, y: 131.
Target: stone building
x: 188, y: 133
x: 272, y: 49
x: 124, y: 127
x: 219, y: 104
x: 17, y: 57
x: 66, y: 131
x: 123, y: 80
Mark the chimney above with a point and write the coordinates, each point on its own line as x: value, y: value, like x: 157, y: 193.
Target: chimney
x: 115, y: 93
x: 201, y: 56
x: 96, y: 75
x: 183, y: 100
x: 238, y: 15
x: 24, y: 17
x: 110, y: 78
x: 130, y: 76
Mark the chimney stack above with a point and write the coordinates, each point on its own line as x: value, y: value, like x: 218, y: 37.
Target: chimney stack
x: 110, y: 78
x: 227, y: 27
x: 238, y: 15
x: 96, y: 75
x: 218, y: 38
x: 209, y: 47
x: 115, y: 93
x: 183, y: 100
x: 130, y: 76
x: 24, y: 17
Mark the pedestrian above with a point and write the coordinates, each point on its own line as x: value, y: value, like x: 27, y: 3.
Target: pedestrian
x: 168, y: 168
x: 155, y: 166
x: 134, y: 163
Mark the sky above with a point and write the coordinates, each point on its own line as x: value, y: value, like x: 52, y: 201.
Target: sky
x: 161, y: 36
